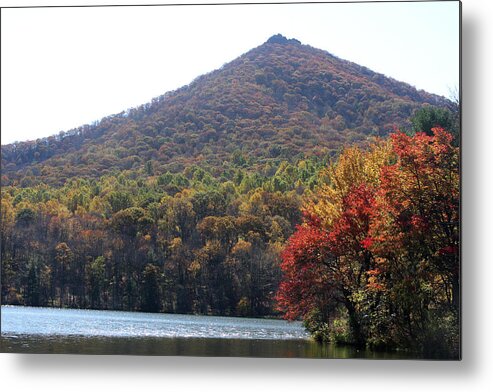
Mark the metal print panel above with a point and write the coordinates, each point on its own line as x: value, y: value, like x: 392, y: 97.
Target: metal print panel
x: 291, y: 188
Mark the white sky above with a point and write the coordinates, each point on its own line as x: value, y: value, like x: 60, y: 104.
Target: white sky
x: 65, y: 67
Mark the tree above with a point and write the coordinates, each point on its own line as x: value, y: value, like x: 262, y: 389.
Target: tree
x: 340, y: 211
x: 415, y: 231
x: 151, y: 289
x: 25, y: 217
x: 96, y: 281
x: 353, y: 261
x: 63, y: 258
x: 306, y: 284
x: 429, y: 117
x: 221, y: 229
x: 129, y: 221
x: 354, y: 167
x: 32, y: 295
x: 119, y: 201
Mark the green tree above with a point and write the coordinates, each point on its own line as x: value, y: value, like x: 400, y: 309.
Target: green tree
x: 429, y: 117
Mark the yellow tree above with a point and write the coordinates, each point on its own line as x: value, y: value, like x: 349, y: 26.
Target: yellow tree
x: 354, y: 167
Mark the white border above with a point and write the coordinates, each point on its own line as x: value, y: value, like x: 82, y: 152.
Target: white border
x: 473, y: 373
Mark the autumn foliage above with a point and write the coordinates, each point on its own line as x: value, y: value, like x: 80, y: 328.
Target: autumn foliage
x: 279, y: 100
x: 306, y: 272
x: 189, y: 203
x: 176, y: 243
x: 382, y: 253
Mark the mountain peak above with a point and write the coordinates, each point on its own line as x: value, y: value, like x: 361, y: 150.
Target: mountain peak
x: 277, y: 101
x: 281, y: 39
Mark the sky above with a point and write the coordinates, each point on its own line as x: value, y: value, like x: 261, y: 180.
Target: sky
x: 65, y: 67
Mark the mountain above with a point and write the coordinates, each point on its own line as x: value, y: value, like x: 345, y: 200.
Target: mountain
x: 184, y: 205
x: 279, y: 101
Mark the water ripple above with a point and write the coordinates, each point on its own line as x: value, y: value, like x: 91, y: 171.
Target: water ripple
x: 74, y: 322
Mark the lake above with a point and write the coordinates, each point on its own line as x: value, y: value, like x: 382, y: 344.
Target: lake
x: 75, y: 331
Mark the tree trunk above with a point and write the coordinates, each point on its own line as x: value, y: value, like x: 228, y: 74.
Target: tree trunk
x: 354, y: 324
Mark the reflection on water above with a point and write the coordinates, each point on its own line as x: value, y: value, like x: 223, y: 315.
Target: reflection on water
x: 44, y: 330
x: 181, y: 346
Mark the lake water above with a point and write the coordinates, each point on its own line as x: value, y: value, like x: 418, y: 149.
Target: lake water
x: 74, y: 331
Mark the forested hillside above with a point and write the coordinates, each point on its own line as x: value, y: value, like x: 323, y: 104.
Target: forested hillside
x: 184, y: 243
x: 280, y: 101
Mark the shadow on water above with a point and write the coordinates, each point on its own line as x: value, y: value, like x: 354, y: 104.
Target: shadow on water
x: 197, y: 347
